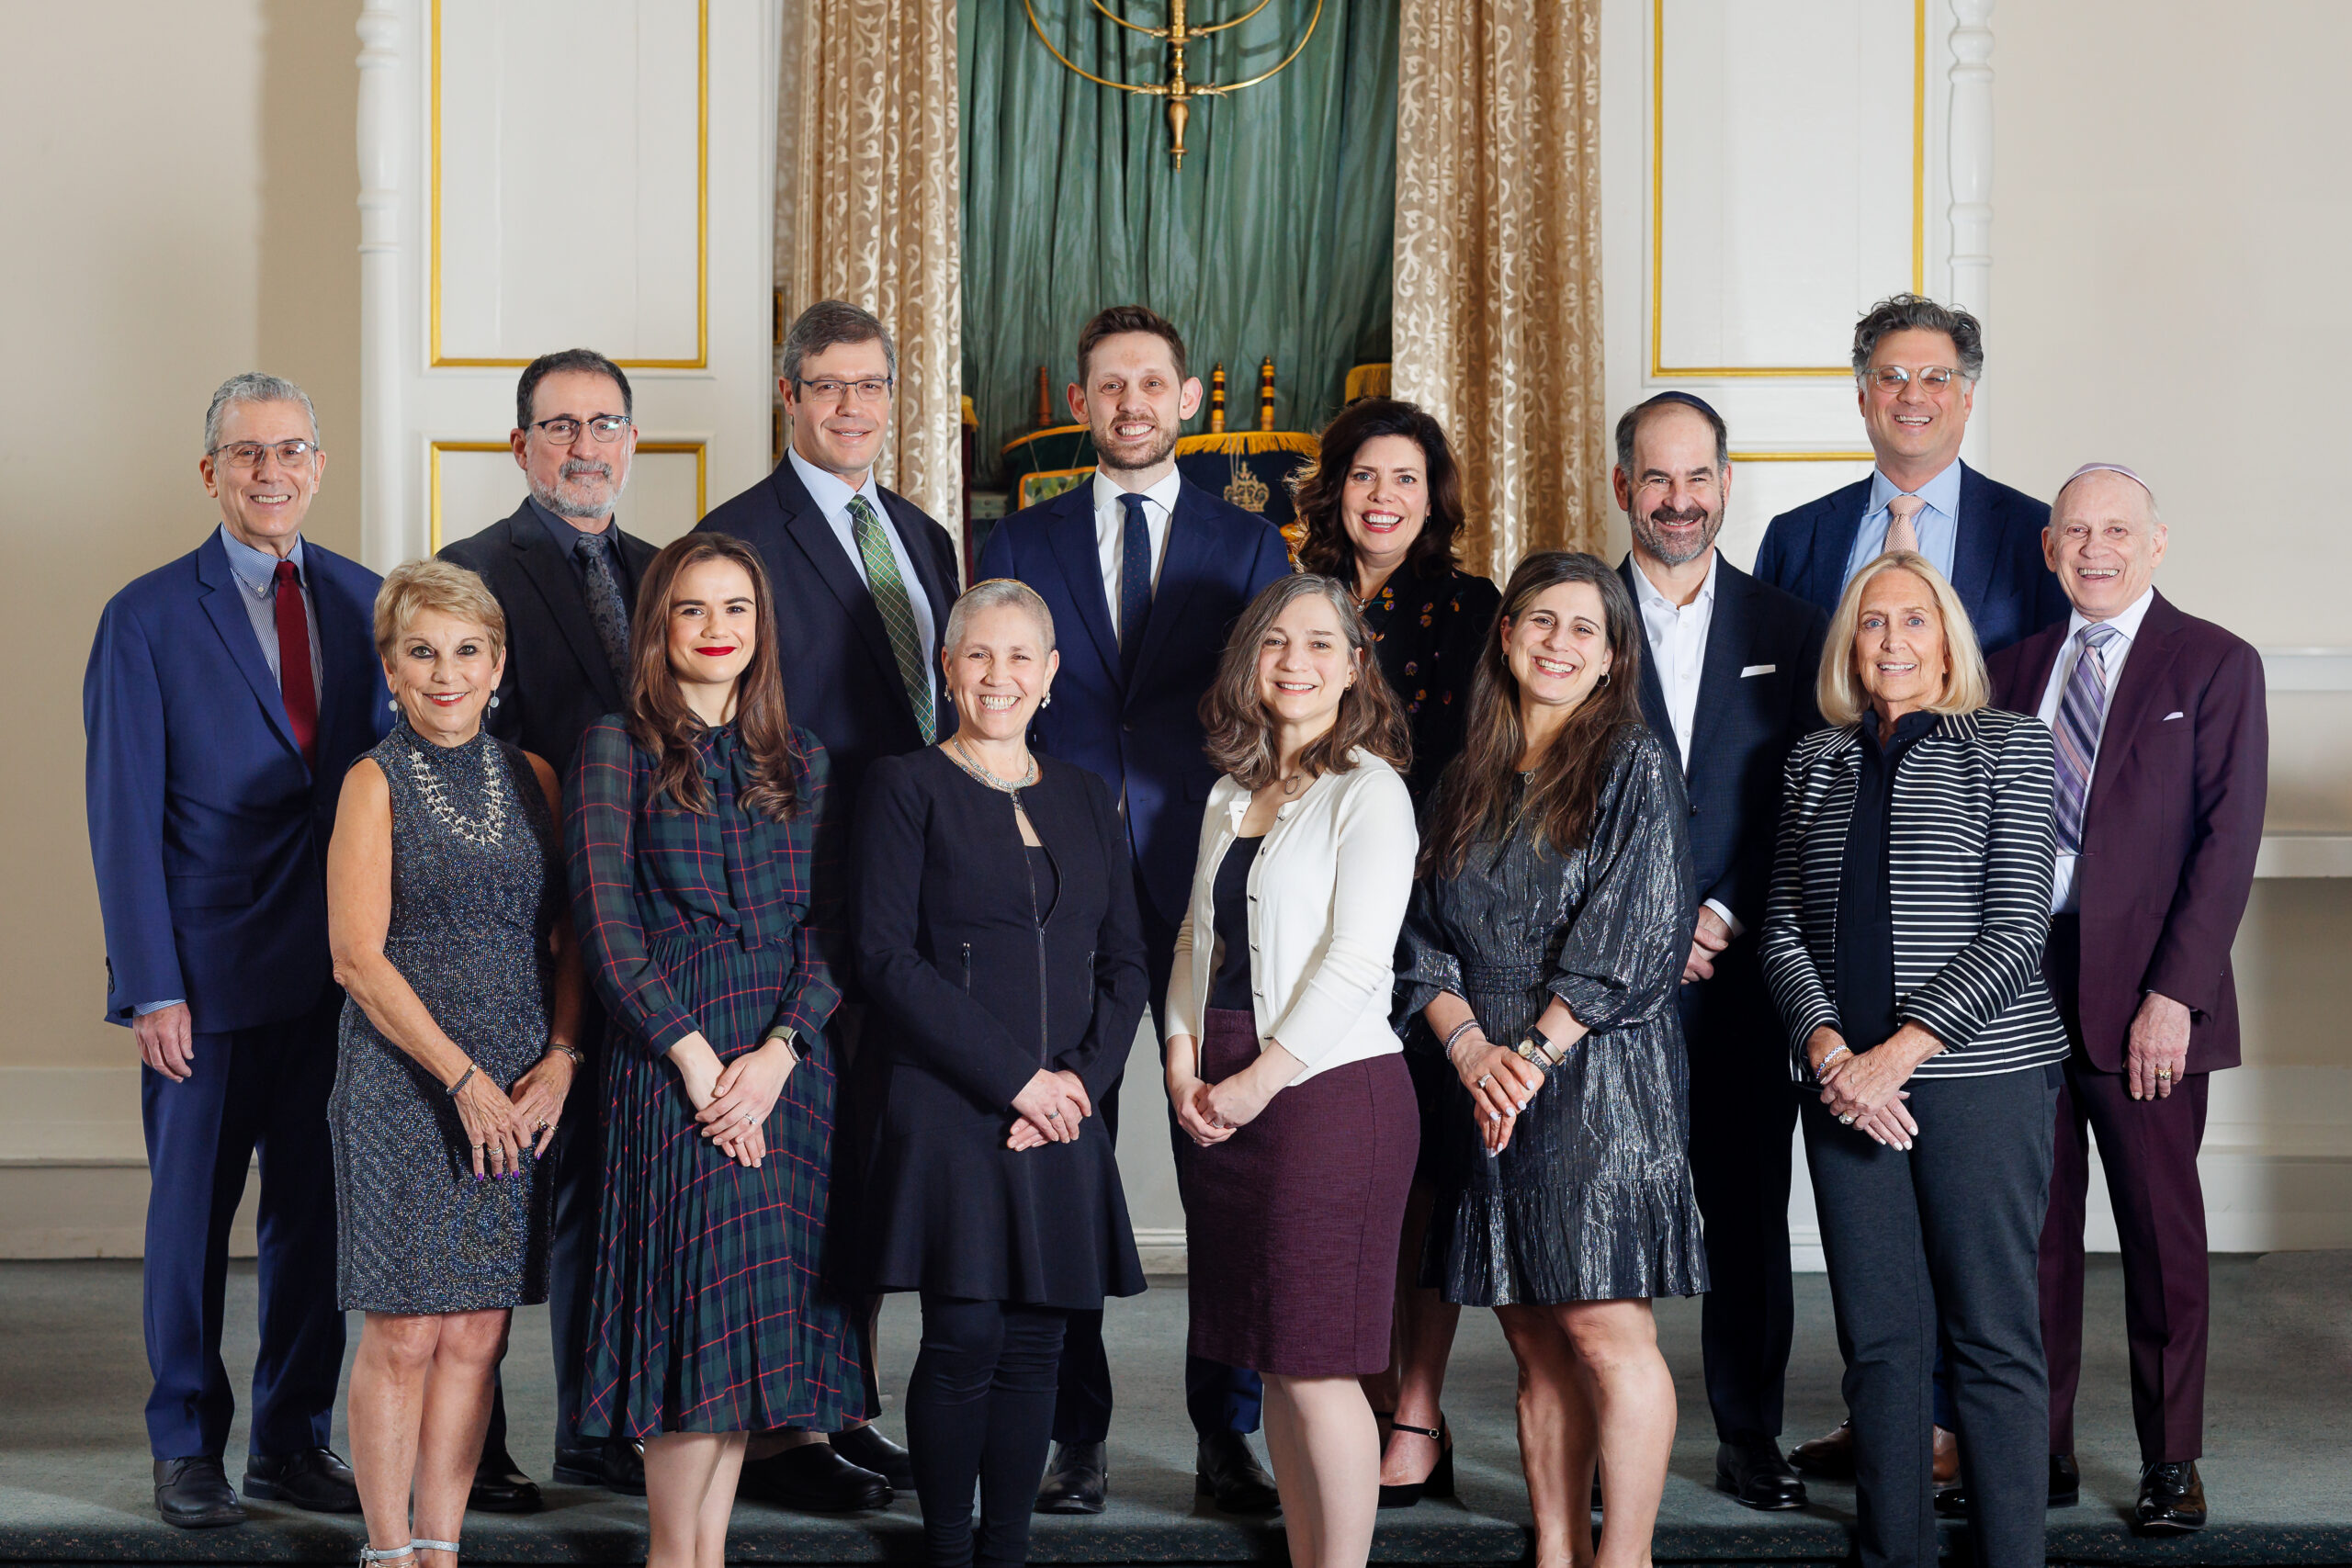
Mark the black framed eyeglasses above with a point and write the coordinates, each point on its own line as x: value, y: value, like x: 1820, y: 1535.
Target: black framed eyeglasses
x: 828, y: 391
x: 563, y: 430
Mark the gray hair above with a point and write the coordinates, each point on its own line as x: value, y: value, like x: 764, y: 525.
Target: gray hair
x: 826, y: 323
x: 996, y: 592
x: 254, y: 387
x: 1917, y: 312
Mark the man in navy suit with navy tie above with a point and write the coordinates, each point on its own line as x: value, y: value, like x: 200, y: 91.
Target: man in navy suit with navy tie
x: 1729, y: 686
x: 1915, y: 368
x: 1145, y: 573
x: 227, y: 692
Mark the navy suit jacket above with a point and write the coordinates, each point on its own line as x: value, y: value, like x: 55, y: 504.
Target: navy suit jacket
x: 1145, y: 740
x: 1996, y: 566
x: 208, y: 830
x: 840, y: 678
x: 2171, y: 826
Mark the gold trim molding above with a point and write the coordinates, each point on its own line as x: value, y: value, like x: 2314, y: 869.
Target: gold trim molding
x: 1657, y: 207
x: 438, y: 360
x: 1736, y: 457
x: 701, y: 449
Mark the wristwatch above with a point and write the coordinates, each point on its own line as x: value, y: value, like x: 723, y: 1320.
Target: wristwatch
x: 1537, y: 1048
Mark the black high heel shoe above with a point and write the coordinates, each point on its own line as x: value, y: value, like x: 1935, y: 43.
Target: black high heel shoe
x: 1438, y: 1482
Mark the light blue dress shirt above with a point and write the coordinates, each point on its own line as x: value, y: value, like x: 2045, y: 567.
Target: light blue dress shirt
x: 832, y: 497
x: 1938, y: 522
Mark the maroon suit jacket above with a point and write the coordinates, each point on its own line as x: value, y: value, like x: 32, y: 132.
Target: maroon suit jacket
x: 2171, y: 828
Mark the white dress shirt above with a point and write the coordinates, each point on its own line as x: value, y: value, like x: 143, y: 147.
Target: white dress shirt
x: 832, y: 498
x: 2065, y: 898
x: 1110, y: 531
x: 1937, y: 521
x: 1677, y: 635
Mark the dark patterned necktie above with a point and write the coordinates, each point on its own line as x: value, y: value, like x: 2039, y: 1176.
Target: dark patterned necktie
x: 2082, y: 713
x: 889, y: 590
x: 296, y: 684
x: 1134, y: 584
x: 607, y: 612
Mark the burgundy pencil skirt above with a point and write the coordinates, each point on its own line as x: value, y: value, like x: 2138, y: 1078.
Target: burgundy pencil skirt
x: 1292, y: 1223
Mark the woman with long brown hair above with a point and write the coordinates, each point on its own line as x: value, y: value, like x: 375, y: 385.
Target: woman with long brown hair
x: 707, y: 890
x: 1547, y: 933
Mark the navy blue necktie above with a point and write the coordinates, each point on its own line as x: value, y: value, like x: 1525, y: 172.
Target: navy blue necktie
x: 1134, y: 584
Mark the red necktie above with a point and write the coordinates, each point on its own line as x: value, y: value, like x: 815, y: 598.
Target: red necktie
x: 295, y: 682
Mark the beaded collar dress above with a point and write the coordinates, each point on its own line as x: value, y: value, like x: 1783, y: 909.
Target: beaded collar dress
x: 475, y: 889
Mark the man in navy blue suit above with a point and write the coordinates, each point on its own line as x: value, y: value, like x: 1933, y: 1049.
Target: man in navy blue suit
x: 1145, y: 573
x: 226, y: 694
x: 1729, y: 684
x: 1916, y: 368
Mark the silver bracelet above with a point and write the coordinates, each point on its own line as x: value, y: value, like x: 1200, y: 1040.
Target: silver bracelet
x: 1458, y: 1030
x: 463, y: 1078
x: 571, y: 1051
x: 1833, y: 1050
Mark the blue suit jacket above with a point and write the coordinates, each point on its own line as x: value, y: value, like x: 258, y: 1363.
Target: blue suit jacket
x: 208, y: 832
x: 1997, y: 565
x: 1145, y: 740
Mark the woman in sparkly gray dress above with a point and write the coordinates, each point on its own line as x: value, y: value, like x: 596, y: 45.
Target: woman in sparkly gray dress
x: 446, y: 909
x: 1546, y: 936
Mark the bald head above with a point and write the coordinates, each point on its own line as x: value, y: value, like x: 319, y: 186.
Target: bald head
x: 2104, y: 541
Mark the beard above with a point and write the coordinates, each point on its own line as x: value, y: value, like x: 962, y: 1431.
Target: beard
x: 1153, y: 456
x: 568, y: 499
x: 1652, y: 538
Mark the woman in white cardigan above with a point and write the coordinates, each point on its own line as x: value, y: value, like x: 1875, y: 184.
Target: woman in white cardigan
x: 1283, y: 1072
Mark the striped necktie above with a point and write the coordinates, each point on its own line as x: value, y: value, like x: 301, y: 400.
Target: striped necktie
x: 889, y: 590
x: 2082, y: 714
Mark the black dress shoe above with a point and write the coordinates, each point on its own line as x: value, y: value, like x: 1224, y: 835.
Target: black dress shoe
x: 617, y: 1466
x: 813, y: 1478
x: 315, y: 1479
x: 867, y: 1447
x: 1756, y: 1476
x: 1829, y: 1456
x: 1951, y: 1502
x: 1438, y: 1483
x: 2172, y: 1499
x: 1231, y: 1473
x: 194, y: 1494
x: 1078, y: 1481
x: 501, y: 1487
x: 2065, y: 1481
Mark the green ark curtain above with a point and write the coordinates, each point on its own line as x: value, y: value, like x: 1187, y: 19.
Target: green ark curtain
x: 1275, y: 238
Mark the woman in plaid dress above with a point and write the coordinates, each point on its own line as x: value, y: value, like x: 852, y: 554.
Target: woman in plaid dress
x: 706, y: 890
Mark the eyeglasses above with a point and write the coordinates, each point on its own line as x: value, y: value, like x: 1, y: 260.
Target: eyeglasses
x: 563, y: 430
x: 1893, y: 377
x: 830, y: 392
x: 247, y: 454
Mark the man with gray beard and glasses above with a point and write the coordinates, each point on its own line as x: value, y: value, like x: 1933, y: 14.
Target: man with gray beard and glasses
x: 567, y: 578
x: 1729, y: 684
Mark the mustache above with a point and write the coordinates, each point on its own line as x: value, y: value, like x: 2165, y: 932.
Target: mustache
x: 579, y: 468
x: 1684, y: 514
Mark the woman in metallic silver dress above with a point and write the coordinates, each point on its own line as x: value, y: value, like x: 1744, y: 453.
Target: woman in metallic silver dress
x: 1547, y: 933
x: 447, y: 914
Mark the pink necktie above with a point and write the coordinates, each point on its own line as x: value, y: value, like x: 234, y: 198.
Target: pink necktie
x: 1900, y: 533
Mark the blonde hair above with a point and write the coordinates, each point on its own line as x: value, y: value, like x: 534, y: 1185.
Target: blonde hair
x: 415, y: 587
x: 1839, y: 691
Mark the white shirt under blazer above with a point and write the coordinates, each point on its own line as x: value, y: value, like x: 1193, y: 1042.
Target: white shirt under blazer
x: 1328, y: 893
x: 1970, y: 850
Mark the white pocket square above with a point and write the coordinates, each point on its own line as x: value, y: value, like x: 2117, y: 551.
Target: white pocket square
x: 1758, y: 669
x: 2170, y: 717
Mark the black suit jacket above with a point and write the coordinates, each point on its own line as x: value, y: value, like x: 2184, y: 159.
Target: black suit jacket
x: 1997, y: 567
x: 2171, y: 828
x: 558, y: 681
x: 840, y: 679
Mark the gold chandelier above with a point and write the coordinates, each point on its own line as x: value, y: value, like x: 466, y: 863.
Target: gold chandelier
x: 1178, y: 34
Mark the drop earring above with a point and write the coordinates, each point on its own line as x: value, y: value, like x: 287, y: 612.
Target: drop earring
x: 1047, y: 700
x: 393, y: 706
x: 493, y: 699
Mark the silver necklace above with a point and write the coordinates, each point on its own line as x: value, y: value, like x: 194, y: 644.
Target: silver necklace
x: 964, y: 760
x: 488, y: 829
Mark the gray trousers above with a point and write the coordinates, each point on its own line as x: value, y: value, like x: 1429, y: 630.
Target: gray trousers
x: 1952, y: 1228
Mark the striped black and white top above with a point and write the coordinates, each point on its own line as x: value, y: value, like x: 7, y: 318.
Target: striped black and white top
x: 1970, y: 851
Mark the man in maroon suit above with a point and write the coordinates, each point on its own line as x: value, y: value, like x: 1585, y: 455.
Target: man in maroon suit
x: 2163, y: 763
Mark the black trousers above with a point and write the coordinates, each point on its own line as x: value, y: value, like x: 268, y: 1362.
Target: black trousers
x: 1949, y: 1231
x: 980, y: 1407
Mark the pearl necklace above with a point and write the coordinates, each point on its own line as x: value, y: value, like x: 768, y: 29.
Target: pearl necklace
x: 966, y: 761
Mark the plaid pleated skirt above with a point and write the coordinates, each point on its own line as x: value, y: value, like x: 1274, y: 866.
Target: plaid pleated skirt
x: 711, y: 1312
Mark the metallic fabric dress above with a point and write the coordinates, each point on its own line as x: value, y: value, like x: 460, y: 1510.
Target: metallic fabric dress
x: 1592, y: 1201
x: 475, y: 885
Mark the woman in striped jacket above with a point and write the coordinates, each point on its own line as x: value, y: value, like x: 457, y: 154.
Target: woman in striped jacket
x: 1902, y: 942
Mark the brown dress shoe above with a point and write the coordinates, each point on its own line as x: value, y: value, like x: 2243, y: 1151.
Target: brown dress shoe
x: 1831, y: 1456
x: 1947, y: 1471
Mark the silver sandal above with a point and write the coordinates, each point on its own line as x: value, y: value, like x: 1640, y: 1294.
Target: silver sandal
x: 448, y: 1546
x: 369, y: 1557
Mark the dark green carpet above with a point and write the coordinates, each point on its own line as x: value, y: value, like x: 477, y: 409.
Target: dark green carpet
x: 74, y: 1484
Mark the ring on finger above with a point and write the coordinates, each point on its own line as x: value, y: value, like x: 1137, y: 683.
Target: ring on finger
x: 1847, y: 1120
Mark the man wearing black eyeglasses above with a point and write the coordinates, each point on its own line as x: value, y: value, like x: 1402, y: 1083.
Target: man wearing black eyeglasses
x: 566, y: 576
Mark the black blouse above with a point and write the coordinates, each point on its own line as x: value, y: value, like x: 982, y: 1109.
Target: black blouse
x: 1229, y: 986
x: 1865, y: 916
x: 1429, y: 635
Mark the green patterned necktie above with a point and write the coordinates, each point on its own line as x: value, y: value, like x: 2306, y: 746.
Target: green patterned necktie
x: 889, y: 590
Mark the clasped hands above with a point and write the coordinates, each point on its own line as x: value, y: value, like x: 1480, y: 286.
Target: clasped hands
x: 1048, y: 1110
x: 1211, y: 1112
x: 1502, y: 1082
x: 732, y: 1100
x: 1864, y: 1088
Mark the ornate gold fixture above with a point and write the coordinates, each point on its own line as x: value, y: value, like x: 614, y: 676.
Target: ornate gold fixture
x: 1178, y: 35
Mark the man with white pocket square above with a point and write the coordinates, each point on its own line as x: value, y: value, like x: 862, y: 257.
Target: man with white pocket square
x: 2163, y: 764
x: 1729, y: 684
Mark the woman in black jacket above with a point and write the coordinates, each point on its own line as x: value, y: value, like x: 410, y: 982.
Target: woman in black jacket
x: 997, y: 935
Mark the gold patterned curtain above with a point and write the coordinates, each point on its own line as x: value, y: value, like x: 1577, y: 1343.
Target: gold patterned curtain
x: 1498, y: 290
x: 865, y: 207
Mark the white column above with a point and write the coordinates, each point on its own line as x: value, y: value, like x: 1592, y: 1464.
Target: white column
x: 1970, y: 152
x: 382, y: 531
